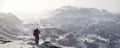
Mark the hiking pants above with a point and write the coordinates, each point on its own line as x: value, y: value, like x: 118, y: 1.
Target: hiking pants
x: 37, y: 40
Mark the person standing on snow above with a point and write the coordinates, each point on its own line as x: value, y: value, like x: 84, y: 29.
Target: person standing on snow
x: 36, y: 34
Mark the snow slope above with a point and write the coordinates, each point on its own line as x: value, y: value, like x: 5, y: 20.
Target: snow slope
x: 11, y: 27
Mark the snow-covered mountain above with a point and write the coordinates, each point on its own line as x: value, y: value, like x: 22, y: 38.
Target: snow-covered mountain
x: 10, y: 27
x: 9, y: 18
x: 68, y: 27
x: 84, y: 27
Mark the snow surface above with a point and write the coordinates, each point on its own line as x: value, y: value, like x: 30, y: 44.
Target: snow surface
x: 26, y: 44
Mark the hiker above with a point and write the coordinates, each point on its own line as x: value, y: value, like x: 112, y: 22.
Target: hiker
x: 36, y: 34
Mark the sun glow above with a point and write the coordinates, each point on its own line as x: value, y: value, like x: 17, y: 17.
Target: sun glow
x: 28, y: 7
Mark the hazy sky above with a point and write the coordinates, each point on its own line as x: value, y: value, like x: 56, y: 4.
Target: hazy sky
x: 39, y: 5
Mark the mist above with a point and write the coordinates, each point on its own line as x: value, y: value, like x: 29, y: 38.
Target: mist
x: 32, y: 7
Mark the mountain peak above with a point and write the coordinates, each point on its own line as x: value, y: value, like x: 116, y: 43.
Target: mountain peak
x: 67, y: 7
x: 9, y: 18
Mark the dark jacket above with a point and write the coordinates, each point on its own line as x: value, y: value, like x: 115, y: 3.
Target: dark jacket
x: 36, y: 32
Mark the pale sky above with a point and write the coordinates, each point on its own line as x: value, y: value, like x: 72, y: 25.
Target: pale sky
x: 40, y: 5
